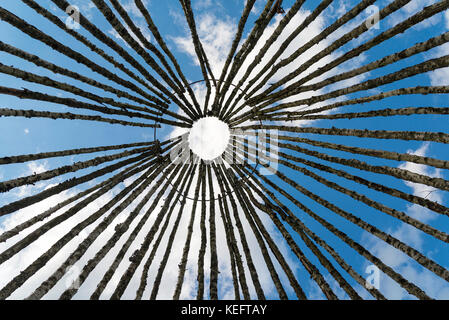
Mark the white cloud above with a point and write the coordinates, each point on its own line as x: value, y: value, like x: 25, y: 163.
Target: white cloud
x: 141, y: 26
x: 419, y: 189
x: 440, y: 77
x: 410, y: 9
x: 429, y: 282
x: 36, y: 167
x: 132, y: 9
x: 26, y: 131
x: 258, y: 6
x: 209, y: 137
x: 177, y: 17
x: 206, y: 4
x: 216, y: 36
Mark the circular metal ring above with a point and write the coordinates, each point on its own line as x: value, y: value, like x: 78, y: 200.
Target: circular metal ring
x: 225, y: 193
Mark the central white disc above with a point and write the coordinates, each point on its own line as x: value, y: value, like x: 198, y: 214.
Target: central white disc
x: 209, y: 137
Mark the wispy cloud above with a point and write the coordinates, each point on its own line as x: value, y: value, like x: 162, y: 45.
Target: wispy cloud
x: 431, y: 284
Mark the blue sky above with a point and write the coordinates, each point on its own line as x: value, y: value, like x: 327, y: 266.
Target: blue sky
x: 216, y: 22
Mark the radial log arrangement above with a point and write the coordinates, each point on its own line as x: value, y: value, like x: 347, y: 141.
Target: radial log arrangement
x: 142, y: 223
